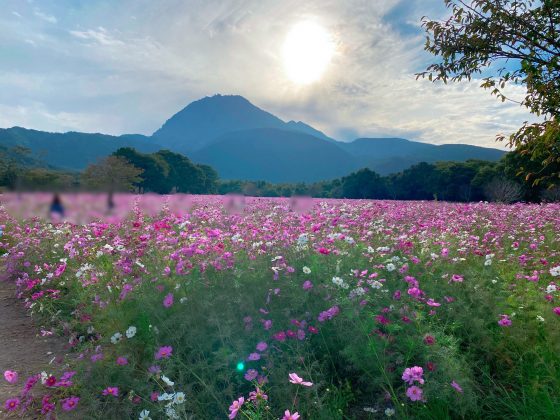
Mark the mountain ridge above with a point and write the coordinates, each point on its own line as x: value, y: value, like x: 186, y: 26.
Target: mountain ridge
x: 211, y: 130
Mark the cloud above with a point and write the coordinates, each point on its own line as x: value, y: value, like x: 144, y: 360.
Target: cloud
x: 46, y: 17
x: 132, y: 64
x: 99, y: 35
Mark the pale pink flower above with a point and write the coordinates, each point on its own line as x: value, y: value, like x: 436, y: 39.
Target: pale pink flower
x: 290, y: 416
x: 295, y: 379
x: 457, y: 387
x: 11, y: 376
x: 235, y: 407
x: 414, y: 393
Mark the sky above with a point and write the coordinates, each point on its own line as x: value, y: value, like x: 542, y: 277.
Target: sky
x: 127, y: 66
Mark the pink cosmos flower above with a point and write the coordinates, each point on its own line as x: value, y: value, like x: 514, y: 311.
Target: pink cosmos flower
x: 11, y: 376
x: 122, y: 361
x: 257, y: 395
x: 168, y: 300
x: 307, y: 285
x: 556, y: 310
x: 46, y: 405
x: 251, y: 375
x: 290, y: 416
x: 262, y: 346
x: 457, y: 387
x: 164, y: 352
x: 253, y: 357
x: 457, y: 278
x: 505, y: 321
x: 235, y: 407
x: 295, y: 379
x: 431, y: 302
x: 51, y: 381
x: 12, y: 404
x: 429, y: 340
x: 111, y: 390
x: 414, y: 393
x: 413, y: 374
x: 70, y: 403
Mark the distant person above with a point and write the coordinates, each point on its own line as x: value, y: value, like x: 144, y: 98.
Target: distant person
x: 110, y: 203
x: 56, y: 209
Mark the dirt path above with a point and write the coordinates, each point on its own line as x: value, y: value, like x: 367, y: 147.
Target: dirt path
x: 21, y: 347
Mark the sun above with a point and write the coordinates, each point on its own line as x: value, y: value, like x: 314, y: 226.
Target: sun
x: 308, y: 50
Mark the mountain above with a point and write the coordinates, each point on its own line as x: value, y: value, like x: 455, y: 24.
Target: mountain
x: 275, y: 155
x: 242, y: 141
x: 72, y: 150
x: 387, y: 155
x: 202, y: 121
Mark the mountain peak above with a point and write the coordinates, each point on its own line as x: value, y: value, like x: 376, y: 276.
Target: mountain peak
x: 202, y: 121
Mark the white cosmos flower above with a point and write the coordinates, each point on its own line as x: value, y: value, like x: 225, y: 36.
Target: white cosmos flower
x: 555, y: 271
x: 116, y: 338
x: 179, y: 398
x: 167, y: 381
x: 306, y: 270
x: 130, y: 332
x: 389, y: 412
x: 390, y: 267
x: 144, y: 415
x: 165, y: 397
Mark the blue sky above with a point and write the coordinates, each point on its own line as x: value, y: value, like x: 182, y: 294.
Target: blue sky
x: 126, y: 66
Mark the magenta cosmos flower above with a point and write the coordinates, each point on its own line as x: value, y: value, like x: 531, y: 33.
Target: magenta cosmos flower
x: 505, y: 321
x: 556, y: 310
x: 168, y: 300
x: 235, y: 407
x: 11, y: 376
x: 122, y: 361
x: 414, y: 393
x: 111, y: 390
x: 295, y: 379
x: 262, y: 346
x: 12, y: 404
x: 70, y: 403
x: 164, y: 352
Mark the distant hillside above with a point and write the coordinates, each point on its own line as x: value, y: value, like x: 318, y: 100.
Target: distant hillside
x: 242, y: 141
x: 275, y: 155
x: 389, y: 155
x: 72, y: 150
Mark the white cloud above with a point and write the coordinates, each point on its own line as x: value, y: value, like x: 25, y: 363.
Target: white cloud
x: 132, y: 64
x: 45, y: 16
x: 99, y: 35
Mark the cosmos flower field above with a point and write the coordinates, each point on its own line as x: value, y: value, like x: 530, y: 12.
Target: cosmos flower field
x: 210, y: 307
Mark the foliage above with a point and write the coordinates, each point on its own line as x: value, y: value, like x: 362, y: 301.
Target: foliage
x: 513, y: 42
x: 111, y: 174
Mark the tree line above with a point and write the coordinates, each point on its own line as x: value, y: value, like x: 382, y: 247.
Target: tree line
x: 166, y: 172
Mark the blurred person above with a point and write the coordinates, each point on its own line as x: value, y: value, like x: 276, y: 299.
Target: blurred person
x: 56, y: 210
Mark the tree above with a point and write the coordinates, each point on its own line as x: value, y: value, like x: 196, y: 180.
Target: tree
x: 514, y: 42
x: 184, y: 176
x: 503, y: 190
x: 364, y: 184
x: 112, y: 174
x: 155, y: 175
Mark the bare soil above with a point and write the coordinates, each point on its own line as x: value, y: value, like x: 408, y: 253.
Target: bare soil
x: 22, y: 348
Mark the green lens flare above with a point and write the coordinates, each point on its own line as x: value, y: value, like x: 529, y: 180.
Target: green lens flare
x: 240, y: 366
